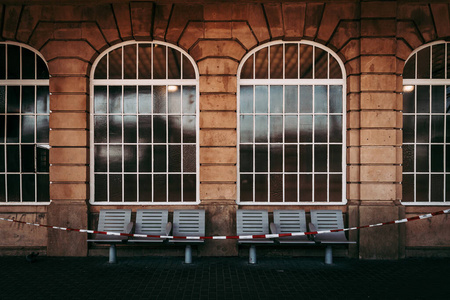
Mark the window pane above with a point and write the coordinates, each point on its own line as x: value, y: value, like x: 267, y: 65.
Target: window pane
x: 13, y: 62
x: 246, y: 158
x: 159, y: 183
x: 28, y: 99
x: 261, y: 188
x: 276, y: 99
x: 320, y: 99
x: 189, y: 99
x: 423, y: 99
x: 306, y: 61
x: 115, y: 158
x: 28, y: 123
x: 42, y: 162
x: 188, y: 69
x: 335, y: 158
x: 335, y: 98
x: 189, y: 188
x: 101, y: 187
x: 189, y: 129
x: 100, y: 99
x: 290, y: 187
x: 306, y: 129
x: 100, y: 135
x: 28, y: 158
x: 438, y: 63
x: 12, y: 129
x: 115, y: 129
x: 320, y: 158
x: 130, y: 187
x: 422, y: 158
x: 159, y: 98
x: 438, y: 99
x: 159, y: 129
x: 115, y: 188
x: 100, y: 156
x: 159, y: 62
x: 12, y: 158
x: 246, y: 99
x: 13, y: 99
x: 408, y: 129
x: 174, y: 129
x: 42, y: 71
x: 423, y: 63
x: 115, y: 64
x: 28, y: 187
x: 423, y: 129
x: 174, y: 61
x: 145, y: 60
x: 13, y: 187
x: 145, y: 187
x: 246, y: 130
x: 335, y: 68
x: 276, y: 188
x: 160, y: 155
x: 335, y: 129
x: 290, y: 158
x: 291, y: 61
x: 100, y: 69
x: 290, y: 129
x: 42, y: 100
x: 320, y: 188
x: 2, y: 99
x: 335, y: 188
x: 276, y: 158
x: 276, y: 61
x: 437, y: 129
x: 174, y: 158
x: 129, y: 56
x: 129, y: 99
x: 276, y: 129
x: 130, y: 158
x: 321, y: 63
x: 305, y: 158
x: 2, y: 190
x: 320, y: 129
x: 174, y: 99
x: 408, y: 158
x: 437, y: 188
x: 145, y: 129
x: 145, y: 99
x: 115, y: 99
x: 305, y: 187
x: 409, y: 71
x: 2, y: 159
x: 306, y: 99
x: 408, y: 188
x: 2, y: 63
x: 145, y: 158
x: 437, y: 158
x: 261, y: 155
x: 409, y: 102
x: 189, y: 158
x: 291, y: 99
x: 129, y: 129
x: 246, y: 188
x: 261, y: 64
x: 174, y: 187
x: 247, y: 69
x: 422, y: 188
x: 261, y: 99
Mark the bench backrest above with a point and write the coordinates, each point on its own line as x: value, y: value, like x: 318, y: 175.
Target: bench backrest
x: 326, y: 220
x: 252, y: 222
x: 288, y: 221
x: 151, y: 221
x: 189, y: 222
x: 114, y: 220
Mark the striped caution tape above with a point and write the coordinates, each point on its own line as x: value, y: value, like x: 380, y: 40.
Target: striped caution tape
x: 225, y: 237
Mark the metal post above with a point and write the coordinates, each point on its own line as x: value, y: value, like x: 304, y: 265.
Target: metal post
x: 328, y: 255
x: 188, y: 254
x: 252, y: 255
x: 112, y: 254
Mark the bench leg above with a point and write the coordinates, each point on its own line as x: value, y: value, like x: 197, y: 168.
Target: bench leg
x: 252, y: 255
x: 188, y: 254
x: 112, y: 254
x: 328, y: 255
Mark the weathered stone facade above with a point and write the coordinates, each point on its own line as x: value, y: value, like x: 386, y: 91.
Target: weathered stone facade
x: 372, y: 38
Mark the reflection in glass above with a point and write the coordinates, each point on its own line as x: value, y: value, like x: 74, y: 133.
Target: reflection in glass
x: 13, y: 187
x: 28, y: 158
x: 42, y: 71
x: 27, y: 129
x: 246, y: 188
x: 335, y: 129
x: 115, y: 129
x: 335, y: 99
x: 306, y: 99
x: 115, y: 158
x: 101, y: 187
x: 290, y: 158
x: 115, y: 64
x: 408, y: 158
x: 246, y: 99
x: 438, y: 63
x: 261, y: 156
x: 28, y: 99
x: 276, y: 129
x: 335, y: 69
x: 423, y: 129
x: 159, y: 99
x: 290, y: 187
x: 276, y: 158
x: 408, y: 188
x: 291, y: 98
x: 306, y: 61
x: 174, y: 158
x: 438, y: 99
x: 437, y: 129
x: 422, y: 187
x: 189, y: 132
x: 276, y: 61
x: 159, y: 153
x: 174, y: 129
x: 437, y: 187
x: 130, y: 187
x: 276, y: 188
x: 189, y: 99
x: 320, y: 158
x: 422, y: 158
x: 145, y: 158
x: 2, y: 68
x: 423, y: 98
x: 189, y: 158
x: 335, y: 158
x: 305, y: 187
x: 174, y: 62
x: 320, y: 129
x: 100, y: 99
x: 101, y: 158
x: 129, y: 68
x: 188, y: 69
x: 28, y: 187
x: 409, y: 101
x: 175, y: 187
x: 291, y: 61
x: 42, y: 100
x: 321, y: 63
x: 129, y: 129
x: 261, y: 129
x: 320, y: 99
x: 247, y: 69
x: 145, y: 60
x: 437, y: 158
x: 320, y: 188
x: 290, y: 129
x: 12, y: 129
x: 423, y: 63
x: 130, y: 158
x: 115, y: 188
x: 159, y: 129
x: 409, y: 71
x: 306, y: 128
x: 276, y: 99
x: 145, y: 129
x: 261, y: 187
x: 189, y: 188
x: 129, y: 99
x: 101, y: 68
x: 115, y: 99
x: 13, y: 99
x: 174, y: 99
x: 246, y: 130
x: 159, y: 62
x: 261, y: 99
x: 13, y: 63
x: 2, y: 99
x: 145, y: 99
x: 262, y: 64
x: 335, y: 187
x: 246, y: 158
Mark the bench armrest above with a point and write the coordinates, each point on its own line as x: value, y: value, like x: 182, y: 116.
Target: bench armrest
x: 129, y: 228
x: 168, y: 228
x: 274, y: 228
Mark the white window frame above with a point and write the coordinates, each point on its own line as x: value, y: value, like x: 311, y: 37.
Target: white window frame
x: 294, y: 82
x: 428, y: 82
x: 145, y: 82
x: 24, y: 82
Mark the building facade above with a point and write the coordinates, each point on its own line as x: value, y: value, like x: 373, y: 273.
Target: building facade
x: 223, y: 105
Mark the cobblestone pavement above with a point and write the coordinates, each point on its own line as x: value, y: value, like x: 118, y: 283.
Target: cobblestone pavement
x: 223, y: 278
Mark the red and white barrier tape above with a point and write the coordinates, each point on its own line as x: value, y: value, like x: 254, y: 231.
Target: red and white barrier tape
x: 261, y: 236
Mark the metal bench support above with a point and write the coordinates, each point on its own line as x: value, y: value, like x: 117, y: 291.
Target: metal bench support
x: 188, y: 254
x: 112, y: 254
x: 328, y: 255
x: 252, y: 255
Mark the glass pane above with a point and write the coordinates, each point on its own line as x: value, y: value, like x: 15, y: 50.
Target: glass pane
x: 305, y: 188
x: 174, y: 187
x: 115, y: 64
x: 448, y: 72
x: 189, y: 188
x: 261, y: 130
x: 290, y: 158
x: 408, y: 188
x: 423, y: 63
x: 321, y: 63
x: 13, y: 187
x: 438, y: 99
x: 423, y: 99
x: 291, y: 61
x: 129, y: 99
x: 335, y: 68
x: 13, y: 62
x: 13, y: 99
x: 115, y: 158
x: 145, y: 60
x: 306, y: 99
x: 291, y: 99
x: 320, y: 99
x: 12, y: 129
x: 174, y: 129
x: 261, y: 99
x: 261, y: 156
x: 129, y: 66
x: 335, y: 188
x: 42, y: 160
x: 145, y: 129
x: 129, y: 129
x: 145, y: 187
x: 130, y: 187
x: 130, y: 158
x: 422, y: 188
x: 145, y: 99
x: 189, y: 99
x: 261, y: 64
x: 437, y: 158
x: 246, y: 187
x: 422, y: 158
x: 276, y: 99
x: 276, y: 188
x: 276, y: 61
x: 27, y: 129
x: 28, y: 158
x: 3, y: 187
x: 409, y: 71
x: 100, y: 187
x: 335, y: 129
x: 290, y: 187
x: 306, y: 129
x: 247, y: 69
x: 2, y: 159
x: 408, y: 129
x: 115, y: 99
x: 100, y: 135
x: 2, y: 130
x: 246, y: 158
x: 408, y: 158
x: 276, y: 129
x: 188, y: 69
x: 100, y: 99
x: 335, y: 158
x: 261, y: 187
x: 160, y: 188
x: 189, y: 133
x: 447, y: 117
x: 174, y: 62
x: 246, y: 99
x: 159, y: 98
x: 145, y: 158
x: 159, y: 62
x: 320, y: 129
x: 409, y: 101
x: 306, y: 61
x: 100, y: 70
x: 100, y: 158
x: 335, y: 98
x: 115, y: 188
x: 2, y: 99
x: 423, y: 129
x: 437, y: 129
x: 160, y: 155
x: 115, y: 129
x: 320, y: 188
x: 437, y: 188
x: 28, y: 99
x: 2, y: 64
x: 246, y: 130
x: 438, y: 64
x: 159, y: 129
x: 174, y: 98
x: 276, y: 158
x: 174, y: 158
x: 447, y: 161
x: 290, y: 129
x: 189, y: 158
x: 28, y: 187
x: 320, y: 158
x: 42, y: 71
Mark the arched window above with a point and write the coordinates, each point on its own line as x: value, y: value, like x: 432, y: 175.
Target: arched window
x: 144, y: 126
x: 426, y: 126
x: 24, y: 131
x: 291, y: 122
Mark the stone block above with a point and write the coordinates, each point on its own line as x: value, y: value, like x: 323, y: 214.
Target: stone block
x: 350, y: 50
x: 19, y: 235
x: 353, y: 155
x: 353, y: 84
x: 68, y: 66
x: 123, y: 20
x: 80, y: 49
x: 313, y: 17
x: 275, y: 19
x: 379, y: 173
x: 441, y: 16
x: 68, y: 137
x: 353, y: 173
x: 104, y: 16
x: 218, y: 173
x: 379, y: 82
x: 162, y: 15
x: 353, y: 137
x: 68, y: 102
x: 378, y: 46
x: 218, y: 137
x: 217, y: 66
x: 421, y: 15
x: 217, y: 30
x: 379, y: 137
x: 68, y: 120
x: 378, y: 100
x: 353, y: 120
x: 41, y: 34
x: 433, y: 232
x: 345, y: 31
x: 218, y: 102
x: 378, y: 64
x: 91, y: 32
x: 218, y: 84
x: 141, y: 19
x: 353, y: 191
x: 70, y: 84
x: 69, y: 173
x: 378, y: 191
x: 217, y: 12
x: 69, y: 191
x: 378, y: 27
x: 408, y: 31
x: 10, y: 21
x: 378, y: 119
x: 181, y: 14
x: 403, y: 52
x: 214, y: 191
x: 218, y: 155
x: 242, y: 32
x: 69, y: 156
x: 194, y: 31
x: 208, y: 48
x: 380, y: 9
x: 353, y: 66
x: 294, y: 19
x: 379, y: 155
x: 222, y: 119
x: 332, y: 14
x: 29, y: 19
x: 67, y: 30
x: 254, y: 14
x: 353, y: 101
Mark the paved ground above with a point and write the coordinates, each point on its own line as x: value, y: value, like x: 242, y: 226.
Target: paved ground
x: 223, y: 278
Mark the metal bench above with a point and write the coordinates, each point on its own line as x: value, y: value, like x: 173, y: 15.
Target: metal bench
x: 327, y: 220
x: 113, y: 220
x: 252, y: 222
x: 189, y: 222
x: 289, y: 221
x: 151, y: 222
